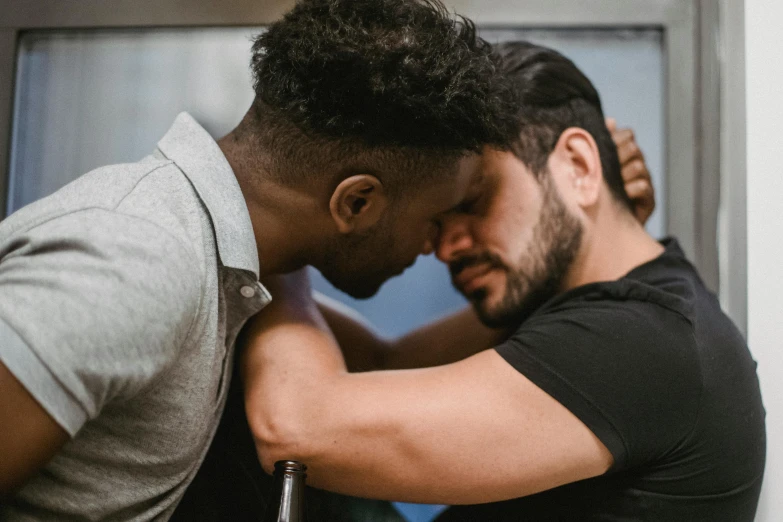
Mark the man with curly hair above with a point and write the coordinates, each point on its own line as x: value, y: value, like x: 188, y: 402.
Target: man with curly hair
x: 122, y: 294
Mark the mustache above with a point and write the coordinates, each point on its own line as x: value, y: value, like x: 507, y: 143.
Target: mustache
x: 460, y: 264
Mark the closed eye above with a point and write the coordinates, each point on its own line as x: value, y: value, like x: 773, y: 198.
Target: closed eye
x: 466, y: 206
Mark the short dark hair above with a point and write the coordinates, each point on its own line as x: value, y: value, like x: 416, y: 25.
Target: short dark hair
x: 552, y: 96
x: 361, y: 77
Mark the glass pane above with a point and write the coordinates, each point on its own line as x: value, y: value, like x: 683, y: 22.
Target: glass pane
x: 91, y: 98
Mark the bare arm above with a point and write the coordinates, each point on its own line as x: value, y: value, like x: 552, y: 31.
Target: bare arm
x: 29, y: 436
x: 449, y: 339
x: 484, y: 430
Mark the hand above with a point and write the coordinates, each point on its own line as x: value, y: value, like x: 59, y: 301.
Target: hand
x: 638, y: 184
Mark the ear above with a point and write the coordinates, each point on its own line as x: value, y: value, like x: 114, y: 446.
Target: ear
x: 358, y: 203
x: 580, y: 161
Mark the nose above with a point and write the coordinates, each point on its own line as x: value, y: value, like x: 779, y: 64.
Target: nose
x: 454, y: 238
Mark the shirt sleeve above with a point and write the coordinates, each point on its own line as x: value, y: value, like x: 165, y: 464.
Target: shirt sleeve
x: 94, y: 305
x: 628, y: 370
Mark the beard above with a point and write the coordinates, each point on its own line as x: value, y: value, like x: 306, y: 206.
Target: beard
x: 539, y: 274
x: 359, y: 264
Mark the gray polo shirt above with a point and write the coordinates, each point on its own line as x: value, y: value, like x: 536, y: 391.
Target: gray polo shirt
x: 121, y: 296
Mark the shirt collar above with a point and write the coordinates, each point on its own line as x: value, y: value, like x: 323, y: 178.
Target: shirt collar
x: 194, y: 151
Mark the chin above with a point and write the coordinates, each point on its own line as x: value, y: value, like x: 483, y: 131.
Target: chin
x: 490, y: 316
x: 358, y: 287
x: 494, y: 312
x: 363, y: 292
x: 483, y: 298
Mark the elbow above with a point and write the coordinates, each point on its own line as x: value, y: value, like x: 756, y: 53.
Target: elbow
x: 278, y: 435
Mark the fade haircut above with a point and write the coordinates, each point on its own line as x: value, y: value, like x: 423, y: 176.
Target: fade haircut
x: 552, y: 96
x: 394, y: 87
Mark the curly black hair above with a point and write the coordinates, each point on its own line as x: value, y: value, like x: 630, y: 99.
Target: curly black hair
x: 552, y: 95
x: 389, y: 74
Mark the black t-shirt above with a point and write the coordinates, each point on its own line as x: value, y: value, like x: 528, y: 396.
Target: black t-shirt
x: 655, y: 369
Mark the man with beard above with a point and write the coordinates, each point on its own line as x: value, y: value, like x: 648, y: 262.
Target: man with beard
x: 122, y: 294
x: 622, y: 393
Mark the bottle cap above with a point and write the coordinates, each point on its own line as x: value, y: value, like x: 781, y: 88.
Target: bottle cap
x: 290, y: 466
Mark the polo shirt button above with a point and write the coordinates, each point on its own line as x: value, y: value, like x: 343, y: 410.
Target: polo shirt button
x: 247, y: 291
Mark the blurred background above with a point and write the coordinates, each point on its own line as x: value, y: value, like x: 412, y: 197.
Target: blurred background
x: 93, y: 83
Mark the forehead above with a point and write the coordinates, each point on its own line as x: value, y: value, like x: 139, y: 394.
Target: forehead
x: 503, y: 173
x: 469, y: 173
x: 450, y: 190
x: 498, y: 162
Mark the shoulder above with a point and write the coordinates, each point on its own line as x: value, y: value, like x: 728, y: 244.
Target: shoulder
x: 97, y: 256
x: 619, y: 362
x: 150, y: 203
x: 617, y: 329
x: 619, y: 311
x: 102, y: 188
x: 596, y: 330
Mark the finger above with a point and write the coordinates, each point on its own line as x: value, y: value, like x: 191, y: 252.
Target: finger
x: 628, y: 152
x: 634, y: 171
x: 643, y: 201
x: 611, y: 124
x: 640, y: 190
x: 643, y: 212
x: 621, y: 136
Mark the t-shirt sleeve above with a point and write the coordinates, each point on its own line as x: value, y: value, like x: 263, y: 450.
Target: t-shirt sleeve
x: 94, y: 305
x: 628, y: 370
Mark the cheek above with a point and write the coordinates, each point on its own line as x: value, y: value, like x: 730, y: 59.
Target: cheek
x: 407, y: 240
x: 509, y: 230
x: 500, y: 237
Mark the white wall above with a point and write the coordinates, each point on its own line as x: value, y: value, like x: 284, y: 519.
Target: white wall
x: 764, y: 96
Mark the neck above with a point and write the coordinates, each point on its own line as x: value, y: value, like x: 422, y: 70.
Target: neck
x: 284, y: 219
x: 613, y: 245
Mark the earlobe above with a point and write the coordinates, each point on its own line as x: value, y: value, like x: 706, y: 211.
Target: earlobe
x: 357, y: 203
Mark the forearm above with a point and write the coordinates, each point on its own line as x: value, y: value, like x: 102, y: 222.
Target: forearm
x: 446, y: 340
x: 450, y: 339
x: 362, y: 347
